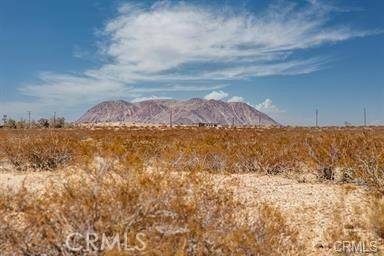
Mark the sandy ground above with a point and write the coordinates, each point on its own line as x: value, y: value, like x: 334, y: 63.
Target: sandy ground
x: 313, y: 208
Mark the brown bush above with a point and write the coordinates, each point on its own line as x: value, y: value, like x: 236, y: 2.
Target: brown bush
x: 158, y: 183
x: 175, y: 215
x: 333, y: 154
x: 43, y: 152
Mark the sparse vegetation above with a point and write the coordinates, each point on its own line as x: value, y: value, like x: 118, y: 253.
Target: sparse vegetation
x: 45, y: 152
x: 158, y: 181
x: 176, y: 216
x: 342, y: 155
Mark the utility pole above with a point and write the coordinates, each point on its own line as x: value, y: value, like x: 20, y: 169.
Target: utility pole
x: 259, y: 120
x: 365, y: 117
x: 54, y: 119
x: 233, y: 122
x: 29, y: 119
x: 170, y: 119
x: 317, y: 118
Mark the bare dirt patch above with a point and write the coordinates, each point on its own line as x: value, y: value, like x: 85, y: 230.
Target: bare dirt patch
x: 315, y: 209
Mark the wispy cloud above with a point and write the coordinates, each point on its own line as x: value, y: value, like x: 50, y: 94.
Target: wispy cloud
x: 184, y: 47
x: 69, y: 89
x: 156, y: 43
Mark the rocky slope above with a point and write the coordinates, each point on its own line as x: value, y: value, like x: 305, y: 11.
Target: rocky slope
x: 183, y: 112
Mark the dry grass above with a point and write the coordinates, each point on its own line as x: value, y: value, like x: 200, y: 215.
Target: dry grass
x: 183, y: 216
x: 44, y: 152
x: 339, y: 154
x: 157, y: 183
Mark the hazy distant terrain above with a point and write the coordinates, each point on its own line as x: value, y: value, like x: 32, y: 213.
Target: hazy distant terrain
x: 183, y: 112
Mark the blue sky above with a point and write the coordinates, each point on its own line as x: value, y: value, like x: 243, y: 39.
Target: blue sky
x: 286, y: 58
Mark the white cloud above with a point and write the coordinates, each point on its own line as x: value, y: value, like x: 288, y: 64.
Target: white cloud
x: 216, y: 95
x: 155, y: 43
x: 236, y: 99
x: 172, y: 45
x: 153, y: 97
x: 267, y: 106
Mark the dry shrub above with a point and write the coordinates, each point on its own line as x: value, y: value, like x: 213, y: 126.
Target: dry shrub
x: 175, y: 205
x: 333, y: 154
x: 370, y: 165
x: 175, y: 215
x: 39, y: 152
x: 349, y: 156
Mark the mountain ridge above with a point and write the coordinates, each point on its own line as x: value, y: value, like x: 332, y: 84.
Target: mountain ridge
x: 191, y: 111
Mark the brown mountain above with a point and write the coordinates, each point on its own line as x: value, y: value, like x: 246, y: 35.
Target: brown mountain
x: 183, y: 112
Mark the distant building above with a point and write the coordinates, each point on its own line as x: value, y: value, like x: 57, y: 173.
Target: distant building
x: 208, y: 124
